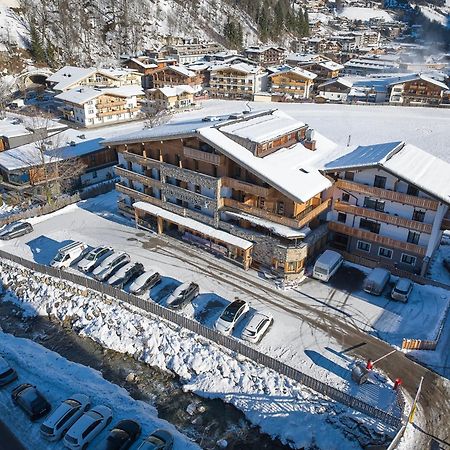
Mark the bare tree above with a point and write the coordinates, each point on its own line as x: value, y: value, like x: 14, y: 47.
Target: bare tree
x: 155, y: 114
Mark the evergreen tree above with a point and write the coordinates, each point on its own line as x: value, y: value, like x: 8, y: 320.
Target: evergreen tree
x: 36, y: 45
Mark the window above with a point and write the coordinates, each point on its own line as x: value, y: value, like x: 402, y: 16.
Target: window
x: 413, y: 237
x: 280, y: 208
x: 385, y: 252
x: 379, y: 182
x: 373, y: 203
x: 412, y: 190
x: 363, y: 246
x: 345, y: 197
x: 369, y: 225
x: 349, y: 176
x: 261, y: 202
x: 408, y: 259
x: 342, y: 217
x: 418, y: 215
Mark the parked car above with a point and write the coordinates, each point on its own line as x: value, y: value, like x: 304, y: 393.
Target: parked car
x: 182, y: 295
x: 402, y: 289
x: 125, y: 274
x: 327, y: 265
x: 69, y: 254
x: 158, y: 440
x: 31, y: 401
x: 110, y: 265
x: 7, y: 373
x: 87, y: 427
x: 94, y: 258
x: 145, y: 281
x: 446, y: 263
x: 376, y: 281
x: 14, y: 230
x: 64, y: 416
x: 121, y: 437
x: 231, y: 316
x: 257, y: 326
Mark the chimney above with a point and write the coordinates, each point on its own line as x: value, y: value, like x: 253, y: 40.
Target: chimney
x: 310, y: 145
x: 310, y: 142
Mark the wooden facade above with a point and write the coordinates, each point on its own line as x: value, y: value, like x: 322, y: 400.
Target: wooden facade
x: 291, y: 83
x: 168, y: 76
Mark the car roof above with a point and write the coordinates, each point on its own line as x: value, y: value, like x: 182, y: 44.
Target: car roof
x: 145, y: 275
x: 181, y: 288
x: 98, y: 249
x: 56, y: 415
x: 83, y: 422
x: 403, y: 283
x: 123, y: 270
x: 256, y: 319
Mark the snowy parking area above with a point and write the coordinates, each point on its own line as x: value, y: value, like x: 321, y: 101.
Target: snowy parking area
x: 57, y: 379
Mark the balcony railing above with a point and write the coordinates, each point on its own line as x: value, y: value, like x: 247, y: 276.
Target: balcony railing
x: 103, y: 105
x: 260, y: 191
x: 393, y: 196
x: 263, y: 214
x: 383, y: 217
x: 119, y: 111
x: 373, y: 237
x: 199, y: 155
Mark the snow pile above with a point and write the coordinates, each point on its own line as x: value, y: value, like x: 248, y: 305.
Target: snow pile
x: 62, y: 379
x: 365, y: 14
x: 281, y: 407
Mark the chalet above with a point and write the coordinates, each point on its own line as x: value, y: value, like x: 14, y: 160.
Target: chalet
x: 176, y: 76
x: 325, y: 70
x: 243, y: 188
x: 301, y: 59
x: 294, y: 82
x: 146, y: 66
x: 236, y: 81
x: 335, y: 90
x: 89, y: 106
x: 191, y: 51
x: 417, y: 89
x: 389, y: 204
x: 266, y: 56
x: 70, y: 77
x: 177, y: 97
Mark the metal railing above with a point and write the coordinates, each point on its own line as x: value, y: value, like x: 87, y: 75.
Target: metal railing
x: 225, y: 341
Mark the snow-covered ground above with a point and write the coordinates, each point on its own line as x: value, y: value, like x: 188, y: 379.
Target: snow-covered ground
x: 427, y: 128
x: 365, y: 14
x: 281, y: 407
x: 57, y: 379
x: 12, y: 29
x: 437, y: 271
x: 434, y: 16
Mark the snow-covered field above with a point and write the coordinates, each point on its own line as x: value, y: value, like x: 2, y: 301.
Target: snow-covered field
x: 365, y: 14
x: 427, y: 128
x: 57, y: 379
x: 281, y: 407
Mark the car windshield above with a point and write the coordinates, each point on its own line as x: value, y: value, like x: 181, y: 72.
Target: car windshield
x: 5, y: 374
x: 91, y: 256
x: 401, y: 291
x: 230, y: 313
x: 59, y: 257
x: 71, y: 439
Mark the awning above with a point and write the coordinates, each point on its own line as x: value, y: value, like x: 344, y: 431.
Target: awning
x: 194, y: 225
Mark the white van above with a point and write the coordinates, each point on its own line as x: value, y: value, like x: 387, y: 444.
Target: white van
x: 376, y: 281
x: 327, y: 264
x: 69, y: 254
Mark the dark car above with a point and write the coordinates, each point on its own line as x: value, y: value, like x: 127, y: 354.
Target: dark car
x: 158, y: 440
x: 122, y: 436
x: 32, y: 402
x: 126, y: 274
x: 15, y: 229
x: 182, y: 295
x: 145, y: 281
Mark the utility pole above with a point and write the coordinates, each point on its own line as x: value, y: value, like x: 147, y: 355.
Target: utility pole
x: 414, y: 405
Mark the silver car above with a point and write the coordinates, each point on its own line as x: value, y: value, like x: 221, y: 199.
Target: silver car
x: 94, y: 258
x: 110, y: 266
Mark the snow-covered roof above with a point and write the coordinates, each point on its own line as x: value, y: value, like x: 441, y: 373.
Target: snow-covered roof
x: 420, y: 168
x: 419, y: 76
x: 130, y: 90
x: 305, y: 57
x: 276, y: 228
x: 176, y: 90
x: 263, y: 127
x: 17, y: 125
x: 297, y: 71
x: 194, y: 225
x: 239, y: 67
x: 81, y: 95
x: 143, y: 64
x: 330, y: 65
x: 182, y: 70
x: 69, y: 75
x: 343, y: 81
x: 262, y: 49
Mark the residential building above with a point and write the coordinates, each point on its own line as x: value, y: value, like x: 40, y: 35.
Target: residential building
x: 417, y: 89
x: 369, y: 65
x: 335, y: 90
x: 293, y: 82
x: 172, y: 98
x: 191, y: 51
x: 325, y: 70
x: 266, y: 55
x: 301, y: 59
x: 89, y: 106
x: 70, y: 77
x: 147, y: 66
x: 176, y: 76
x: 242, y: 188
x: 389, y: 204
x: 236, y: 81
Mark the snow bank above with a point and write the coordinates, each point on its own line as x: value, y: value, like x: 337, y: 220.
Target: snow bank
x: 61, y: 379
x: 281, y: 407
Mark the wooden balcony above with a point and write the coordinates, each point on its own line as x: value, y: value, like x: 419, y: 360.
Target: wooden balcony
x: 383, y: 217
x: 445, y: 224
x: 118, y: 111
x: 259, y: 191
x: 393, y: 196
x: 199, y: 155
x: 103, y: 105
x: 263, y: 214
x: 373, y: 237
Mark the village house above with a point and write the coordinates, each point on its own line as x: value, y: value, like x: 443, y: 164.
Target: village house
x: 242, y: 188
x: 190, y: 51
x: 266, y: 55
x: 236, y: 81
x: 325, y: 70
x: 147, y: 66
x: 389, y: 204
x: 172, y: 98
x: 89, y: 106
x: 335, y: 90
x: 294, y: 82
x: 176, y: 76
x: 417, y: 89
x: 70, y: 77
